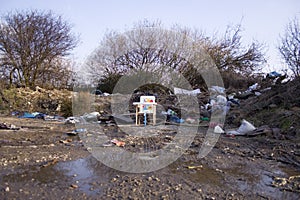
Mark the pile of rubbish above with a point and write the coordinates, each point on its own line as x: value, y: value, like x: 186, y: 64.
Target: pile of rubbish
x: 242, y: 108
x: 236, y: 107
x: 248, y: 129
x: 88, y: 117
x: 40, y: 99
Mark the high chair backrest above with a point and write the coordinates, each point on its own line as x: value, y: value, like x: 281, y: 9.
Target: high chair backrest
x: 146, y: 104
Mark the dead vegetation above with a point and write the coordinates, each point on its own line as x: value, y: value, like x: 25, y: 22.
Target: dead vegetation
x: 38, y: 100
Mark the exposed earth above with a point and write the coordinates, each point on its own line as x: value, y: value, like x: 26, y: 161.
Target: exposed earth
x: 41, y: 161
x: 44, y: 160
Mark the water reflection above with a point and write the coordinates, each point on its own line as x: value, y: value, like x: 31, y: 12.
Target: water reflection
x: 94, y: 178
x: 88, y: 173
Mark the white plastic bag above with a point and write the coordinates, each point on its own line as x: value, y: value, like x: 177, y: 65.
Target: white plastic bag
x: 218, y: 129
x: 245, y: 127
x: 221, y: 100
x: 217, y: 89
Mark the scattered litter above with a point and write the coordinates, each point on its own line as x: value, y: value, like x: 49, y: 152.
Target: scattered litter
x: 204, y: 119
x: 171, y: 112
x: 27, y: 115
x: 15, y: 113
x: 187, y: 92
x: 80, y: 130
x: 251, y: 91
x: 263, y: 130
x: 214, y: 124
x: 53, y: 118
x: 76, y: 131
x: 217, y: 89
x: 219, y: 103
x: 244, y: 95
x: 265, y: 89
x: 93, y: 116
x: 176, y: 119
x: 97, y: 92
x: 172, y: 116
x: 244, y: 128
x: 65, y: 141
x: 273, y: 74
x: 252, y: 87
x: 257, y: 93
x: 218, y: 130
x: 73, y: 186
x: 233, y: 100
x: 221, y: 100
x: 72, y: 120
x: 100, y: 93
x: 195, y: 167
x: 118, y: 143
x: 38, y: 115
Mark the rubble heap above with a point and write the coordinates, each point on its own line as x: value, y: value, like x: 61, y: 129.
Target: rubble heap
x: 38, y: 100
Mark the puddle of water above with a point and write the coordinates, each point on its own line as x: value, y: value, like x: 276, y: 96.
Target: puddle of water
x: 92, y: 177
x: 82, y: 172
x: 252, y: 180
x: 257, y: 180
x: 87, y: 173
x: 207, y: 176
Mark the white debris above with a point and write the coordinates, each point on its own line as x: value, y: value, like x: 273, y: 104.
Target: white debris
x: 218, y: 130
x: 187, y: 92
x: 244, y: 128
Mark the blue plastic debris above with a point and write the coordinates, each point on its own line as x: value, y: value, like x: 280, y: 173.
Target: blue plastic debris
x: 274, y: 74
x: 27, y: 115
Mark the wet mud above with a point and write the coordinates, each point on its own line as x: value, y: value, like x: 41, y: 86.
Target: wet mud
x: 42, y: 161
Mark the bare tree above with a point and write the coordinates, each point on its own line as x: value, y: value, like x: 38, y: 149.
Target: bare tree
x: 154, y: 49
x: 146, y: 47
x: 290, y: 46
x: 229, y: 54
x: 30, y: 41
x: 56, y: 74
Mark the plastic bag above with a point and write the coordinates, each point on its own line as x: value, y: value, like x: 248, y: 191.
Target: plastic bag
x: 218, y: 129
x: 245, y: 127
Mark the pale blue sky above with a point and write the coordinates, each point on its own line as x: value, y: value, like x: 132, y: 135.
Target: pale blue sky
x: 261, y: 20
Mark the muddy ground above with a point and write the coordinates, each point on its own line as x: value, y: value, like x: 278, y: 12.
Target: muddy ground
x: 41, y: 161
